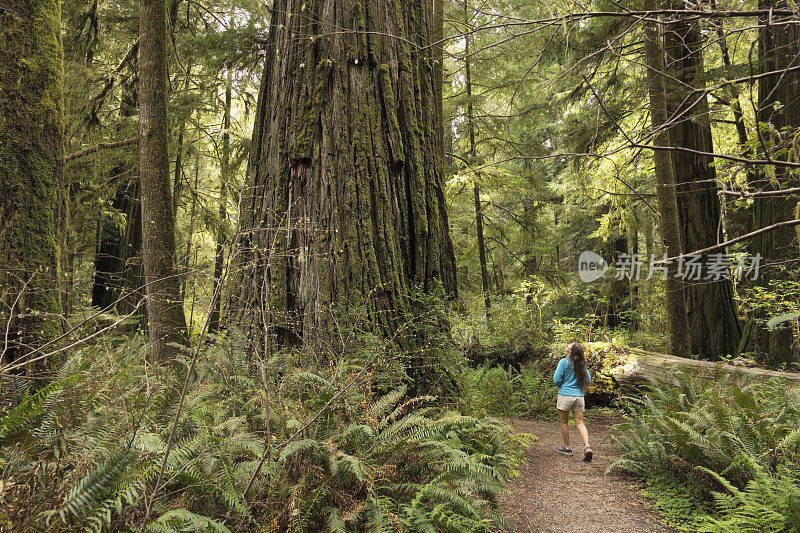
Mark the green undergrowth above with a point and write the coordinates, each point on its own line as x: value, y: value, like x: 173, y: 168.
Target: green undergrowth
x: 717, y: 456
x: 527, y: 393
x: 680, y: 506
x: 328, y: 444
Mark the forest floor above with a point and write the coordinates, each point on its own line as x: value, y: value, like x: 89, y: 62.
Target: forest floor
x: 557, y: 493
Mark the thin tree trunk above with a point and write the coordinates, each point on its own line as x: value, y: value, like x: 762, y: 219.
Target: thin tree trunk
x: 618, y: 289
x: 711, y: 311
x: 481, y: 247
x: 167, y: 323
x: 219, y: 255
x: 740, y: 220
x: 177, y: 180
x: 665, y: 186
x: 31, y: 174
x: 471, y: 158
x: 344, y: 201
x: 192, y: 215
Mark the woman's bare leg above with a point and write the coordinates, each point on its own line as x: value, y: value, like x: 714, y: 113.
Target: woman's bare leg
x: 564, y: 417
x: 581, y: 427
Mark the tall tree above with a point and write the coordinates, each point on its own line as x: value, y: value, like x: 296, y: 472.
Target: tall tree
x: 665, y: 184
x: 779, y: 113
x: 476, y: 189
x: 713, y: 324
x: 166, y: 320
x: 343, y: 201
x: 225, y: 164
x: 31, y: 172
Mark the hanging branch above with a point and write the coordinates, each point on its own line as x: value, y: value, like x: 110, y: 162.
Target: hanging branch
x: 100, y: 146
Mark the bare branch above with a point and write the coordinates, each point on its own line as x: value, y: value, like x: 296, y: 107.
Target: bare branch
x: 100, y: 146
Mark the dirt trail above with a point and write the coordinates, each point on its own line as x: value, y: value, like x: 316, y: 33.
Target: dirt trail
x: 564, y: 494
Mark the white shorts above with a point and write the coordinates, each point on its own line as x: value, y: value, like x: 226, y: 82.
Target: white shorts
x: 570, y: 403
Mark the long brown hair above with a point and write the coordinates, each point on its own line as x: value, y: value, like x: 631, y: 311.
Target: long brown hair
x: 578, y: 360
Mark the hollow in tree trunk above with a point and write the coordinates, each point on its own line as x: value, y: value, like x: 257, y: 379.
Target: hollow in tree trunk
x: 118, y: 279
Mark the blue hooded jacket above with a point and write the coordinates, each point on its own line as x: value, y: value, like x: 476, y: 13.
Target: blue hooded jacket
x: 565, y: 379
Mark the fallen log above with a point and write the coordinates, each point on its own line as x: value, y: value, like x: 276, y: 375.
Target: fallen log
x: 637, y: 366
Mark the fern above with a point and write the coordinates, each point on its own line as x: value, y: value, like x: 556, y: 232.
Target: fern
x: 184, y: 521
x: 743, y: 440
x: 30, y: 406
x: 84, y: 497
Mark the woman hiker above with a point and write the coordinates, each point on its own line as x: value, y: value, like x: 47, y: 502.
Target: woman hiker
x: 572, y: 378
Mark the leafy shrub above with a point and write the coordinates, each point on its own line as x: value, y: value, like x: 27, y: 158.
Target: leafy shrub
x: 513, y: 333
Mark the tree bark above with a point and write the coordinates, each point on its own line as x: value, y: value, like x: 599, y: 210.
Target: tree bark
x: 638, y: 366
x: 779, y: 108
x: 31, y: 173
x: 665, y: 186
x: 344, y: 202
x: 167, y: 323
x: 713, y: 324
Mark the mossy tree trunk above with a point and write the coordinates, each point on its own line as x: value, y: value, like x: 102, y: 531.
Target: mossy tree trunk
x: 713, y: 324
x: 31, y: 173
x: 665, y: 185
x: 343, y: 202
x: 779, y: 109
x: 166, y: 321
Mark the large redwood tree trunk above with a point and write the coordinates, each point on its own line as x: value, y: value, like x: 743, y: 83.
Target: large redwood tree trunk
x: 779, y: 109
x: 31, y: 174
x: 343, y: 201
x: 713, y: 324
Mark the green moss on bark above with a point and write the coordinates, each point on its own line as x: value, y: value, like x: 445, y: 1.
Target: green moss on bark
x: 358, y: 223
x: 31, y: 161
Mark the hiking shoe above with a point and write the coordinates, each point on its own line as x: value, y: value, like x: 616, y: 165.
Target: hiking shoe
x: 564, y: 450
x: 587, y: 454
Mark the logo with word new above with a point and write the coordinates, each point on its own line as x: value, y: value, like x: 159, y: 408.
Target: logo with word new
x: 591, y: 266
x: 687, y: 267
